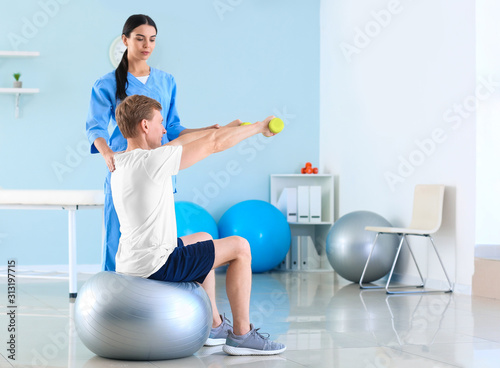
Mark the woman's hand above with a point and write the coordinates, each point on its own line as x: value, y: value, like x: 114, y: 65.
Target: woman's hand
x: 109, y: 158
x: 106, y: 152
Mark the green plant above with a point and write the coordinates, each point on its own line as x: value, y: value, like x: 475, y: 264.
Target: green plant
x: 17, y: 76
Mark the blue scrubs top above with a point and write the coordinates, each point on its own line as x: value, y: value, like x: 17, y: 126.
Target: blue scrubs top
x: 101, y: 122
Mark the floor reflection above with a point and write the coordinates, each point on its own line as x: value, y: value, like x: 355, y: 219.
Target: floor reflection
x: 324, y: 321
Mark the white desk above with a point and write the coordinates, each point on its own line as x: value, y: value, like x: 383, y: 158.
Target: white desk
x: 70, y: 200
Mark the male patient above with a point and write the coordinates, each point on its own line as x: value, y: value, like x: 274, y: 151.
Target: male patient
x: 149, y: 247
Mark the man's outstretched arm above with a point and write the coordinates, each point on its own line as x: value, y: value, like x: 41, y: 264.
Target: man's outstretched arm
x: 204, y: 143
x: 194, y: 134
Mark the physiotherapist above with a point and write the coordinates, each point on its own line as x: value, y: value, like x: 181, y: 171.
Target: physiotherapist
x: 132, y: 76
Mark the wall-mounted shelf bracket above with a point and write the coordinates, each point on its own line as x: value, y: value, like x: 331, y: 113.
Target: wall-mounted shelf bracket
x: 18, y: 92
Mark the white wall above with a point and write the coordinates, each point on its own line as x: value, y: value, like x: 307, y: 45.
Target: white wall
x: 488, y: 127
x: 397, y: 92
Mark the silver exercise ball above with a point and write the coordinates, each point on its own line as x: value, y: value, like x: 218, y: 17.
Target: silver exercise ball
x: 348, y: 245
x: 132, y: 318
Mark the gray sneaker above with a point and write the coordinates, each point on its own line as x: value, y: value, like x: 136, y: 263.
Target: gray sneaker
x: 252, y: 343
x: 218, y: 334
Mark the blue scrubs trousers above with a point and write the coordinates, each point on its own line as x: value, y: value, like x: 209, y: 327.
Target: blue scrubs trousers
x: 112, y: 226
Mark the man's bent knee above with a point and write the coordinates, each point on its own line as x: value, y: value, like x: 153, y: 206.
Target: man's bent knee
x: 243, y: 246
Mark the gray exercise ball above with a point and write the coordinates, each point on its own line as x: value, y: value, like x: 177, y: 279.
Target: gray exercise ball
x: 132, y: 318
x: 348, y: 245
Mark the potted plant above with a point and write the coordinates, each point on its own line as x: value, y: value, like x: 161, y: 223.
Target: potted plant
x: 17, y: 82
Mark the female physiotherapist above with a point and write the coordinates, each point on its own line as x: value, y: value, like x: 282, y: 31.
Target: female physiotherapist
x: 133, y: 76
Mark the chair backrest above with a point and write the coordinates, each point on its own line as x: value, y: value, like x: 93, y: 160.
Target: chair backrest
x: 427, y: 208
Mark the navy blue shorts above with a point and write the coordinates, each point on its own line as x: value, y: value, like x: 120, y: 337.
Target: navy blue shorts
x: 192, y: 262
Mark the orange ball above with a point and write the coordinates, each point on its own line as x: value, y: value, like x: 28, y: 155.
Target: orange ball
x: 303, y: 170
x: 315, y: 170
x: 308, y: 164
x: 309, y: 170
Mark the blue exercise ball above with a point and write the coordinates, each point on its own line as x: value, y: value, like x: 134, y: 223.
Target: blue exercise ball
x: 348, y: 246
x: 265, y: 228
x: 132, y: 318
x: 192, y: 218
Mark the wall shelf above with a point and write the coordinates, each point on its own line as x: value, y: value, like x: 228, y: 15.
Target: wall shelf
x: 307, y: 250
x: 279, y: 182
x: 19, y: 53
x: 17, y: 92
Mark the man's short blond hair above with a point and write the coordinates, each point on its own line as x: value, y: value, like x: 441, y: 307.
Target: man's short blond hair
x: 132, y: 110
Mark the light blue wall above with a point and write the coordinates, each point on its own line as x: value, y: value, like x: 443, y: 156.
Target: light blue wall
x: 248, y: 59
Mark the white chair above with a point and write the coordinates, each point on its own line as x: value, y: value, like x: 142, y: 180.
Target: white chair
x: 426, y: 220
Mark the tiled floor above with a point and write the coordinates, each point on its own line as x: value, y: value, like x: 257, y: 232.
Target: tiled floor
x: 323, y: 320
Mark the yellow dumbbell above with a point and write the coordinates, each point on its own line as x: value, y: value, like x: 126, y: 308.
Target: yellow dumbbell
x: 276, y: 125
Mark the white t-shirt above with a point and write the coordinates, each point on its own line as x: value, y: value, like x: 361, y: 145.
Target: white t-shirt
x: 141, y: 186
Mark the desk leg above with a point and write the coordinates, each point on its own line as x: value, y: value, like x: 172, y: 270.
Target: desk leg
x: 72, y: 252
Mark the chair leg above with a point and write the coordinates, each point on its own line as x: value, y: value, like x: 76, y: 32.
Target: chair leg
x: 394, y: 263
x: 450, y: 290
x: 422, y: 282
x: 366, y: 266
x: 388, y: 291
x: 392, y: 269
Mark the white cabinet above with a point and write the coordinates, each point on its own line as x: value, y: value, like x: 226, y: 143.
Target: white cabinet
x: 18, y: 91
x: 308, y: 248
